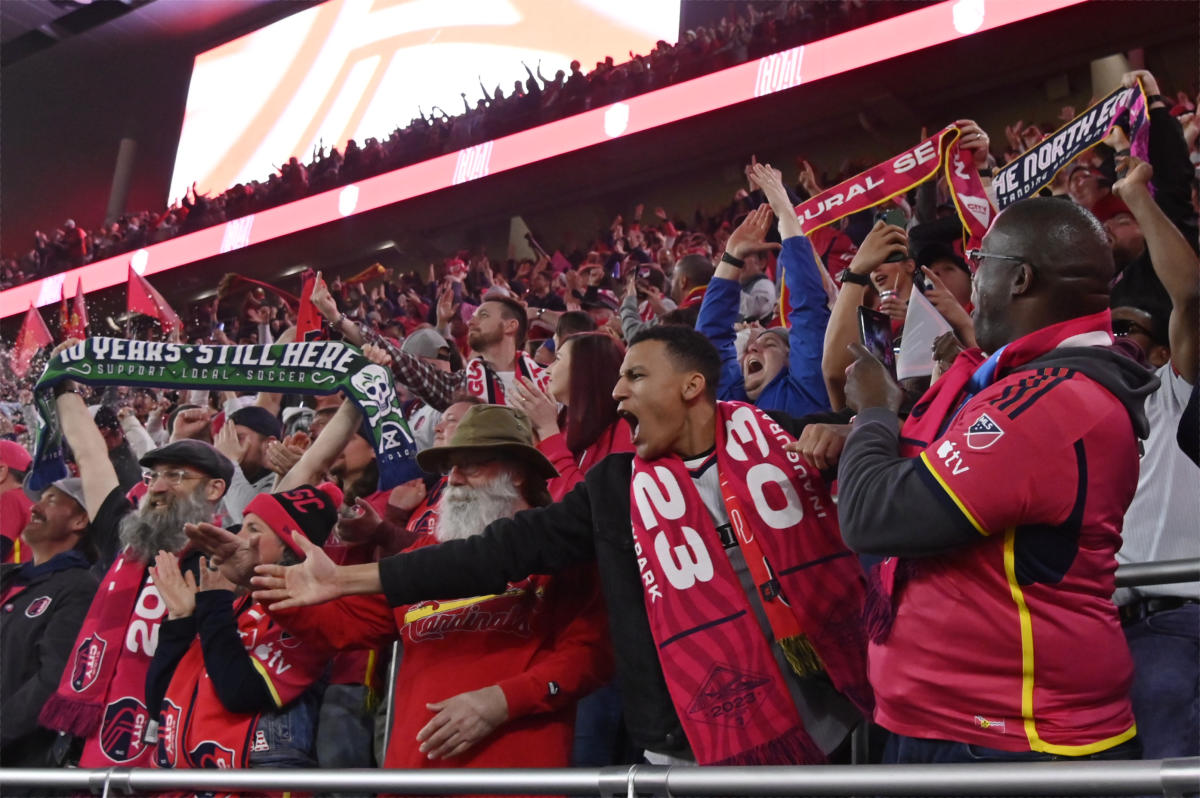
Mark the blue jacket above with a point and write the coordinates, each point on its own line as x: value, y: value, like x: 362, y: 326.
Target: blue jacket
x: 799, y: 388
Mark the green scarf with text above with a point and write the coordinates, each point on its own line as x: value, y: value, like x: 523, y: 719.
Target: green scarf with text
x: 303, y: 367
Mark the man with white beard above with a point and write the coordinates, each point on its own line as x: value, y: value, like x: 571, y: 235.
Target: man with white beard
x: 489, y: 681
x: 101, y: 696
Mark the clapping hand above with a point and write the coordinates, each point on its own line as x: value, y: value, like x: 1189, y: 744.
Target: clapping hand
x: 178, y: 590
x: 528, y: 397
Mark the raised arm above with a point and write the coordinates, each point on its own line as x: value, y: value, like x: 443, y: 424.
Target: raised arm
x: 808, y: 303
x: 1175, y: 264
x: 91, y: 453
x: 882, y: 241
x: 540, y: 541
x: 321, y: 453
x: 719, y: 308
x: 327, y: 306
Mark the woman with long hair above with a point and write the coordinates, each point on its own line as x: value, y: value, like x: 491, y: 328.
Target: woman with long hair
x: 587, y: 429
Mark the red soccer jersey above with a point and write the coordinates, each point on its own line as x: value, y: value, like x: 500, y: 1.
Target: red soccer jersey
x: 195, y: 729
x: 1015, y: 643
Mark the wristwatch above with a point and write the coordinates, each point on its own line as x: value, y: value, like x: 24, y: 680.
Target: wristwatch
x: 848, y: 276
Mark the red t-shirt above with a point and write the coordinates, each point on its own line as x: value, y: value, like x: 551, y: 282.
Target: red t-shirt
x: 1015, y: 643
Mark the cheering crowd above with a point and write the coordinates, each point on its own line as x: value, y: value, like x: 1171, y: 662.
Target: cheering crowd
x: 657, y: 501
x: 766, y: 28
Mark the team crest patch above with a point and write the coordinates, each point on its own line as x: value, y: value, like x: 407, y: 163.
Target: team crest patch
x: 86, y: 663
x: 37, y: 606
x: 121, y: 733
x: 984, y: 432
x: 168, y: 733
x: 209, y: 754
x: 728, y: 697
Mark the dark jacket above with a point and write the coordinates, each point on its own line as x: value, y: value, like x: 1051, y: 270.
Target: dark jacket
x: 592, y: 522
x: 38, y: 626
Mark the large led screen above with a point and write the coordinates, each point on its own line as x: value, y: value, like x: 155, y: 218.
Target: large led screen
x: 351, y: 69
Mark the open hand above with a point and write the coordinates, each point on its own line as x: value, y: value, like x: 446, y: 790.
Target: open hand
x: 748, y: 237
x: 281, y: 457
x: 227, y: 442
x: 212, y: 577
x: 313, y: 581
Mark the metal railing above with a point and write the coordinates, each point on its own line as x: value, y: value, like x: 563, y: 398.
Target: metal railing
x: 1165, y: 572
x: 1169, y: 777
x: 1173, y: 778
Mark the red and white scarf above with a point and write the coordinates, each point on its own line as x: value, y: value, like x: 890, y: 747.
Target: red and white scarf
x: 485, y: 383
x: 730, y: 695
x: 938, y: 154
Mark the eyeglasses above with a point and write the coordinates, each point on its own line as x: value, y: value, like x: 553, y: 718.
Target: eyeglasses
x: 976, y: 256
x: 173, y: 477
x: 1126, y: 327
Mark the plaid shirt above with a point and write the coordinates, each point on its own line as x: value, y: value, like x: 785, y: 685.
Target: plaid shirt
x: 433, y: 386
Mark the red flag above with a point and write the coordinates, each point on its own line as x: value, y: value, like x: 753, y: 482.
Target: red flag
x: 64, y: 313
x: 308, y: 319
x: 144, y: 298
x: 77, y: 323
x: 34, y: 335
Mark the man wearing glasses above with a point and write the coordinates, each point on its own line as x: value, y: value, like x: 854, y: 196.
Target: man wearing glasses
x: 102, y: 692
x: 999, y: 504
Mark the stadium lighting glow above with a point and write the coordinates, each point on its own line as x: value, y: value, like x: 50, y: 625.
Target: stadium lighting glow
x: 891, y: 38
